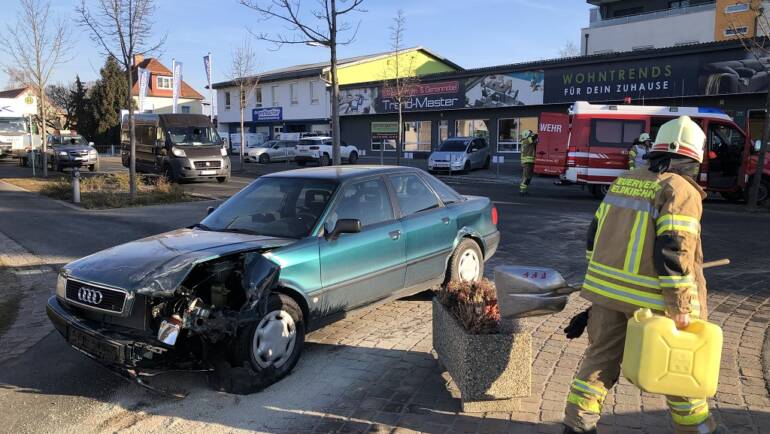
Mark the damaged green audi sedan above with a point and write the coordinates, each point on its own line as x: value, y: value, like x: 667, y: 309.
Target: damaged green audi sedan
x: 236, y: 293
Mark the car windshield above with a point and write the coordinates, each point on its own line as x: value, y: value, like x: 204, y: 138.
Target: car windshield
x: 13, y: 126
x: 453, y: 146
x: 268, y: 144
x: 193, y: 135
x: 310, y: 142
x: 278, y: 207
x: 68, y: 140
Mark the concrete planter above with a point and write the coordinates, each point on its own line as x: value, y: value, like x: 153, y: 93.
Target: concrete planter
x: 490, y: 371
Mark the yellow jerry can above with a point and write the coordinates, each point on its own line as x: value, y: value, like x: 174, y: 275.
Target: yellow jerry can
x: 658, y: 358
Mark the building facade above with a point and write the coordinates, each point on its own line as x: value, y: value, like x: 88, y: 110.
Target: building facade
x: 628, y: 25
x: 159, y: 89
x: 297, y: 99
x: 499, y: 103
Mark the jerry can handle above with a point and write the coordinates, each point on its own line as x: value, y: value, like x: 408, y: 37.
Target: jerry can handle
x: 642, y: 314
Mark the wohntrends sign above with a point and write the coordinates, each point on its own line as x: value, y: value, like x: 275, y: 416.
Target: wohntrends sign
x: 715, y: 73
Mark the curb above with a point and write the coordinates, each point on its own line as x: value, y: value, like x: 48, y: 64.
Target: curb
x: 766, y: 359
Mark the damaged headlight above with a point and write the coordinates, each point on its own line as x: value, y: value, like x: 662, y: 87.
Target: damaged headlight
x: 61, y: 286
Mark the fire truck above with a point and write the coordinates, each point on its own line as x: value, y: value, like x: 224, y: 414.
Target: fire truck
x: 589, y: 146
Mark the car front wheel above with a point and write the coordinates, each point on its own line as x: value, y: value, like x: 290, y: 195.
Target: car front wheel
x: 264, y: 159
x: 264, y: 351
x: 466, y: 263
x: 353, y: 158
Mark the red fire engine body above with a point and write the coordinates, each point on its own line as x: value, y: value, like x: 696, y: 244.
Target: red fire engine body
x: 590, y: 145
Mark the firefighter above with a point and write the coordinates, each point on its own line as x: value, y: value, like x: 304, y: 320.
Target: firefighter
x: 528, y: 144
x: 643, y: 250
x: 638, y: 152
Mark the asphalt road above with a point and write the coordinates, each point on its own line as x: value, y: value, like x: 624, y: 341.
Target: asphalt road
x: 54, y: 388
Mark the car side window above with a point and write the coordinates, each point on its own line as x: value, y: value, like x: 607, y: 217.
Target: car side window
x: 412, y: 194
x: 445, y: 192
x: 367, y: 201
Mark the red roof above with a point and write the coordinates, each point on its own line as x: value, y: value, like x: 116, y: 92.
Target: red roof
x: 13, y: 93
x: 157, y: 69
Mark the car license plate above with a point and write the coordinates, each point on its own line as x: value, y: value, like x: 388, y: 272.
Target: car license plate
x: 441, y: 164
x: 208, y: 172
x: 93, y: 346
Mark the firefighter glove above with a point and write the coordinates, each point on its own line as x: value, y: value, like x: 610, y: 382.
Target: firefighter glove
x: 577, y: 325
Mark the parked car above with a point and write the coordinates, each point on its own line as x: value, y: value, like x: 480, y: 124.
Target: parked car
x: 319, y: 150
x: 290, y: 252
x: 460, y: 154
x: 179, y: 146
x: 272, y: 150
x: 71, y: 150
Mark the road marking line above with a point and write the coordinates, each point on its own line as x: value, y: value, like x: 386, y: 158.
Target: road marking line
x: 497, y: 202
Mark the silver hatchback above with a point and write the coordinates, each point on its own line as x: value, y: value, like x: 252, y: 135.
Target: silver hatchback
x: 460, y: 154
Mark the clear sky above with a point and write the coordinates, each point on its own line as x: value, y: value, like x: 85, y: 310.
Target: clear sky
x: 472, y: 33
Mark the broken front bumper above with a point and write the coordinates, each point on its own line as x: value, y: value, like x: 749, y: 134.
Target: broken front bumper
x: 116, y: 348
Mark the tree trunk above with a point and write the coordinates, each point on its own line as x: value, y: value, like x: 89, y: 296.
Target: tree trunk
x: 243, y: 133
x: 336, y: 157
x: 759, y: 168
x: 43, y: 135
x: 131, y: 136
x: 400, y: 141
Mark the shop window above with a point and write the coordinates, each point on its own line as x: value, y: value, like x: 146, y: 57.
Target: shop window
x: 443, y: 130
x: 417, y: 136
x: 384, y: 134
x: 258, y: 97
x: 472, y: 128
x: 613, y: 132
x: 510, y: 130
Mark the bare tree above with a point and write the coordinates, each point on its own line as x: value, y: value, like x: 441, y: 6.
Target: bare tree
x: 123, y: 29
x: 569, y: 50
x: 758, y: 48
x: 319, y: 27
x: 36, y: 45
x: 243, y: 73
x: 17, y: 78
x: 400, y: 78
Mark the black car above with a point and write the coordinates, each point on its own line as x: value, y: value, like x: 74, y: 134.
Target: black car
x: 71, y: 151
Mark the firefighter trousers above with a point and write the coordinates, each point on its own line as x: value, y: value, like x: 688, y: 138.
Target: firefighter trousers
x: 526, y: 176
x: 600, y: 371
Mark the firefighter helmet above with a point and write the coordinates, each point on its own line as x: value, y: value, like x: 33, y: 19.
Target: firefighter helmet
x: 681, y: 136
x: 644, y: 137
x: 527, y: 134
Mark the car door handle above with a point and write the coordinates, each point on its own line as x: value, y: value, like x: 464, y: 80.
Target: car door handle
x: 445, y: 220
x: 395, y: 235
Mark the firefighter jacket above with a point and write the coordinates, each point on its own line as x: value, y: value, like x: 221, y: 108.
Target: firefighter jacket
x: 644, y: 247
x: 528, y: 150
x: 636, y: 157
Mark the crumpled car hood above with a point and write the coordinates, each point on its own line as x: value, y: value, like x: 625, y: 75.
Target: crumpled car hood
x: 157, y: 265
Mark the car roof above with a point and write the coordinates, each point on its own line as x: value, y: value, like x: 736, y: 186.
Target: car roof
x: 340, y: 173
x: 316, y: 138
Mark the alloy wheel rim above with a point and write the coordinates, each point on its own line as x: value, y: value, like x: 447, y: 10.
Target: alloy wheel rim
x: 468, y: 266
x: 274, y: 339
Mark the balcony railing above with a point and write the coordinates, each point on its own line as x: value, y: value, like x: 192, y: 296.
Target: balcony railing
x: 597, y: 21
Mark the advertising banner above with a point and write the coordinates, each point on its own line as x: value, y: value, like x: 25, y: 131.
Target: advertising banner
x: 176, y: 84
x: 716, y: 73
x: 442, y: 95
x: 267, y: 114
x: 213, y: 101
x: 505, y: 90
x: 144, y: 78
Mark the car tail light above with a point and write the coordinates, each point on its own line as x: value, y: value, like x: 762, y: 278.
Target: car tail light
x: 314, y: 148
x: 494, y: 215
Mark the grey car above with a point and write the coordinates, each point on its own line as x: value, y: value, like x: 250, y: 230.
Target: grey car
x: 71, y: 151
x: 460, y: 154
x: 272, y: 150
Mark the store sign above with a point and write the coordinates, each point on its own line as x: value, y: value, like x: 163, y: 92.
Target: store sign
x: 267, y: 114
x: 445, y: 95
x: 723, y: 72
x: 384, y: 133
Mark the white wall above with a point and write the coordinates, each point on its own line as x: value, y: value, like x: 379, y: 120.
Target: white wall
x: 658, y: 32
x: 156, y: 104
x: 303, y: 109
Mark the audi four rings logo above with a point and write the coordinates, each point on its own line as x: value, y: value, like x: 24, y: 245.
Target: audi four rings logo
x: 90, y: 295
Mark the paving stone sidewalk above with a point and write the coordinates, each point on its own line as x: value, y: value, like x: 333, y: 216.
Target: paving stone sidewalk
x: 26, y: 282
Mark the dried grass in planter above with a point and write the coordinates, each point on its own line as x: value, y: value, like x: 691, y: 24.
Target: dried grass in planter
x: 474, y: 304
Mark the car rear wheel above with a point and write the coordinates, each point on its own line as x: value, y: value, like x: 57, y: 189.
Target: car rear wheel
x: 467, y: 168
x: 600, y: 190
x: 764, y: 190
x: 466, y: 263
x: 264, y: 351
x: 264, y: 159
x: 353, y: 158
x: 325, y: 160
x: 486, y: 163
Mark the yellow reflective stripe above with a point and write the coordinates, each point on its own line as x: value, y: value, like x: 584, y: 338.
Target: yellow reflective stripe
x: 601, y: 215
x: 631, y: 242
x: 589, y: 254
x: 677, y: 281
x: 636, y: 243
x: 585, y: 404
x: 589, y: 388
x: 677, y: 222
x: 623, y: 276
x: 627, y: 295
x: 687, y: 406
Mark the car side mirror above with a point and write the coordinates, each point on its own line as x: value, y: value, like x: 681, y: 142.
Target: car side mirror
x: 210, y: 209
x: 345, y: 226
x: 757, y: 145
